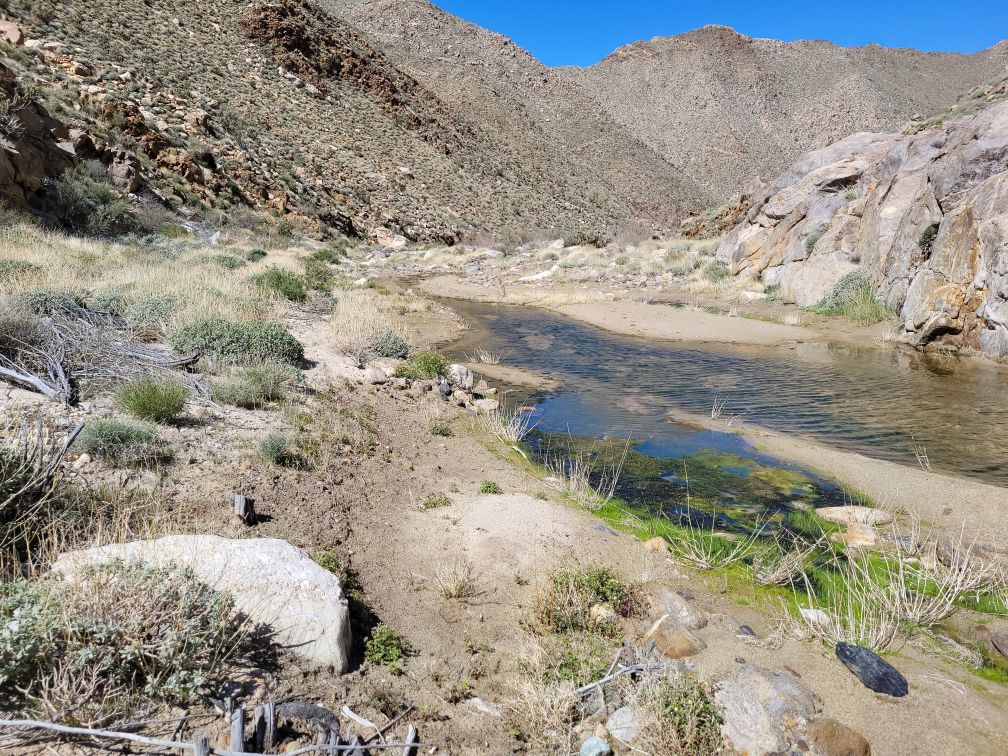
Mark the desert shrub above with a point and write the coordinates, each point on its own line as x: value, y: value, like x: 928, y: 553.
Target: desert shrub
x: 331, y: 254
x: 255, y: 255
x: 157, y: 400
x: 425, y: 366
x: 440, y: 428
x: 585, y: 238
x: 46, y: 301
x: 111, y: 299
x: 123, y: 441
x: 87, y: 204
x: 812, y: 239
x: 123, y: 635
x: 386, y: 646
x: 387, y: 343
x: 927, y: 238
x: 254, y: 387
x: 282, y: 282
x: 686, y: 266
x: 565, y: 604
x: 717, y: 270
x: 250, y: 342
x: 317, y: 276
x: 156, y: 308
x: 277, y: 449
x: 853, y: 297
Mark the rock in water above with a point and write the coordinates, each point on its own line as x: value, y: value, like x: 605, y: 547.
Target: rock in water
x: 272, y: 582
x: 871, y: 669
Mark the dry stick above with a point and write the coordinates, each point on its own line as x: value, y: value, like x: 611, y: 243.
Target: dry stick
x: 67, y: 730
x: 633, y: 670
x: 348, y: 712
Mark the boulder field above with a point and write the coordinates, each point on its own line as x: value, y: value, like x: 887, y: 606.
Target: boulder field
x: 925, y: 215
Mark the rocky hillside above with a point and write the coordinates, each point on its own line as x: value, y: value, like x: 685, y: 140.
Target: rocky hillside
x: 530, y: 109
x: 924, y: 215
x: 726, y: 108
x: 283, y: 106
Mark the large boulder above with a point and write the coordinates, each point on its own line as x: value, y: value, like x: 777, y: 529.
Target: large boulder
x: 272, y: 582
x: 764, y: 712
x: 925, y: 215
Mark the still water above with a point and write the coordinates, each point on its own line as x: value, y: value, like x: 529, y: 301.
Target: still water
x: 876, y: 401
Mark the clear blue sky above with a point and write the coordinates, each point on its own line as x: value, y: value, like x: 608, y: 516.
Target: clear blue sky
x: 581, y: 32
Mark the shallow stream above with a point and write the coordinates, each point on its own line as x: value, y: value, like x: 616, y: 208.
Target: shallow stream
x: 881, y: 402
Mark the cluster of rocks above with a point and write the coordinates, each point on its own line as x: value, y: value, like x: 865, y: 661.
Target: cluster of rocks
x: 924, y: 215
x: 459, y: 387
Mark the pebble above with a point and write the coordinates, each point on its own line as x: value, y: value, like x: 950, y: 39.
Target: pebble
x: 623, y: 725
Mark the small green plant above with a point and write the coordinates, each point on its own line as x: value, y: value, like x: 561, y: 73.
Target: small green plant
x: 276, y: 449
x: 250, y: 342
x: 331, y: 254
x: 282, y: 282
x: 927, y: 239
x: 386, y: 646
x: 228, y: 262
x: 423, y: 366
x: 812, y: 239
x: 45, y: 301
x: 565, y: 605
x: 157, y: 400
x: 385, y: 342
x: 17, y: 268
x: 436, y: 501
x: 255, y: 255
x: 440, y: 428
x: 123, y: 441
x: 685, y: 717
x: 254, y: 387
x: 489, y: 487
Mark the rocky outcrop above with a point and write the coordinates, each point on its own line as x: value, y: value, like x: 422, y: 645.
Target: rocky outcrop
x: 925, y: 215
x: 33, y: 144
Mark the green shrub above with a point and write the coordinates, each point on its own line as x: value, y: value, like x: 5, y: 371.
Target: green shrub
x: 565, y: 604
x: 387, y: 343
x: 386, y: 646
x: 853, y: 297
x: 489, y: 487
x: 249, y: 342
x: 436, y: 501
x: 111, y: 300
x: 87, y: 204
x: 45, y: 301
x: 125, y: 635
x: 927, y: 238
x: 281, y: 282
x: 317, y: 276
x: 123, y: 441
x: 254, y: 387
x: 255, y: 255
x: 155, y: 309
x: 423, y: 366
x: 330, y: 254
x: 157, y: 400
x: 717, y: 270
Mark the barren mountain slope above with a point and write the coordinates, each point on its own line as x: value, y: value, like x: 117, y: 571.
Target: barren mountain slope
x: 728, y: 108
x: 281, y: 104
x: 558, y: 127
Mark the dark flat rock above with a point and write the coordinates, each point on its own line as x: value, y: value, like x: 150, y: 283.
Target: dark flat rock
x: 871, y: 669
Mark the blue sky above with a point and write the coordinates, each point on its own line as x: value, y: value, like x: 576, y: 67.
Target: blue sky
x: 580, y: 32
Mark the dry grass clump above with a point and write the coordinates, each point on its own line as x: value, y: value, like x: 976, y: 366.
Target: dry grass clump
x: 458, y: 581
x: 677, y: 714
x: 121, y: 639
x: 588, y: 477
